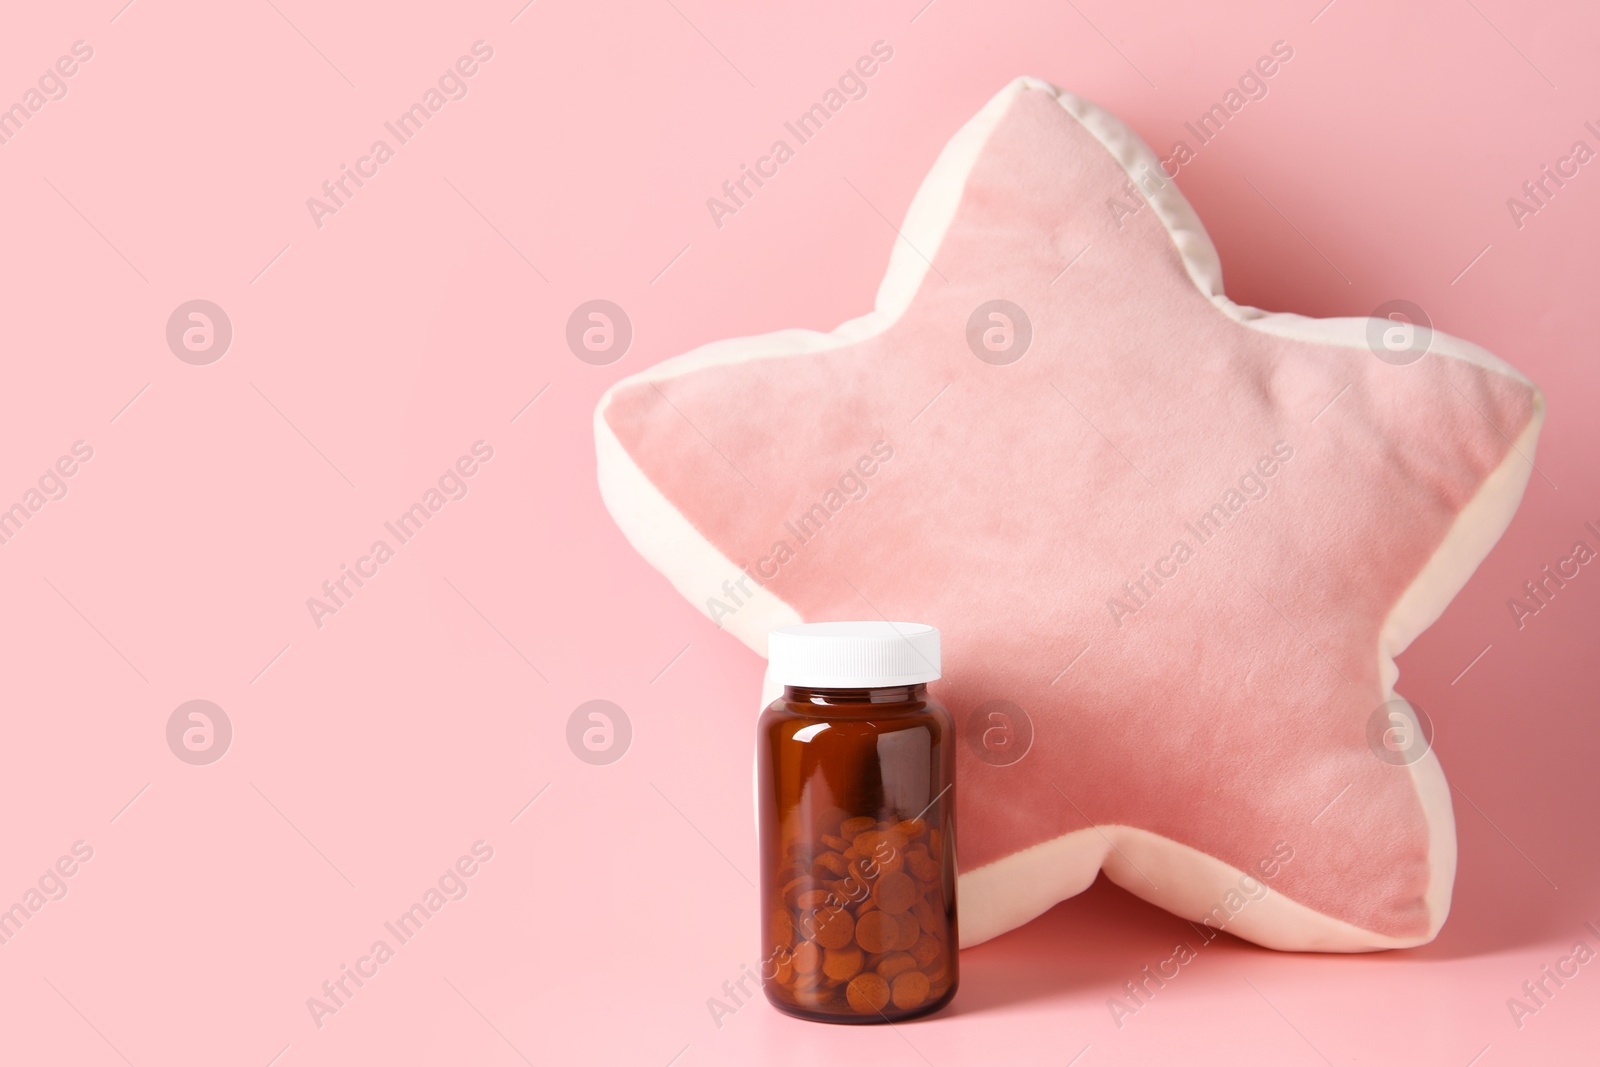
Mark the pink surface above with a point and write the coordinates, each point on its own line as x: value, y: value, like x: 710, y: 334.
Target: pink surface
x: 370, y: 754
x: 1018, y: 516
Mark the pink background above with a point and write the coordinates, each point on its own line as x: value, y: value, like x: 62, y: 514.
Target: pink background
x: 368, y: 354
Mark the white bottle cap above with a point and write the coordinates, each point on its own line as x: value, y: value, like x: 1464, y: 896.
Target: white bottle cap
x: 853, y: 655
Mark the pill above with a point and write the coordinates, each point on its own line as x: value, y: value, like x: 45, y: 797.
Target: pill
x: 851, y: 890
x: 910, y: 989
x: 926, y: 950
x: 806, y: 983
x: 923, y: 867
x: 886, y: 859
x: 807, y: 958
x: 811, y: 899
x: 829, y: 863
x: 896, y: 963
x: 910, y: 931
x: 895, y: 892
x: 833, y: 927
x: 877, y: 931
x: 841, y: 963
x: 911, y: 828
x: 873, y: 842
x: 797, y: 867
x: 869, y: 993
x: 838, y: 844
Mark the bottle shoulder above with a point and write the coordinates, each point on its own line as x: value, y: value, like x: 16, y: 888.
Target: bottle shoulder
x: 784, y: 711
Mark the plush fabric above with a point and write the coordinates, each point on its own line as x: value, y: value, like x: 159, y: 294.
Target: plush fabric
x: 1180, y: 541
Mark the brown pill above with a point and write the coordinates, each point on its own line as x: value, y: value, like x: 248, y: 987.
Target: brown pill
x: 784, y: 973
x: 807, y: 958
x: 851, y: 890
x: 868, y: 871
x: 868, y: 993
x: 895, y: 892
x: 852, y: 827
x: 923, y: 867
x: 911, y: 828
x: 806, y: 989
x: 877, y: 931
x: 811, y: 899
x: 896, y: 963
x: 838, y: 844
x: 841, y: 963
x: 879, y: 842
x: 794, y: 867
x: 910, y: 931
x: 831, y: 927
x: 928, y: 916
x: 926, y: 950
x: 829, y: 863
x: 910, y: 989
x: 886, y: 859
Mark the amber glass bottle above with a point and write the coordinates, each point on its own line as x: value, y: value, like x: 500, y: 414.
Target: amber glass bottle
x: 856, y: 782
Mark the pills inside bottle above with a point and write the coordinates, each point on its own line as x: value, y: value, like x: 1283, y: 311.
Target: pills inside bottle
x: 856, y: 790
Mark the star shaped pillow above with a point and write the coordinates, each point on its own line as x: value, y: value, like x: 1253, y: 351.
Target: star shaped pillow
x: 1173, y: 543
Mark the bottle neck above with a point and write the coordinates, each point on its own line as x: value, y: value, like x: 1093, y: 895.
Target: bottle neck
x: 844, y: 698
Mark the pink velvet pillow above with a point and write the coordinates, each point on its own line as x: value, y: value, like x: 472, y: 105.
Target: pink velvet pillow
x: 1173, y: 543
